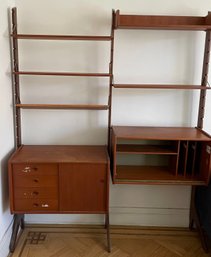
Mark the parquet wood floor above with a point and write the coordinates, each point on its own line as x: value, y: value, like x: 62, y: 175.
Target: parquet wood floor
x: 89, y: 241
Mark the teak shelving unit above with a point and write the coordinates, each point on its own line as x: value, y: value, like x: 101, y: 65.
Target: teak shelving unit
x: 164, y: 155
x: 184, y: 150
x: 55, y: 178
x: 169, y: 155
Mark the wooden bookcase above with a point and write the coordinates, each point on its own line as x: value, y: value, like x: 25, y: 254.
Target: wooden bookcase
x: 54, y: 178
x: 164, y: 155
x: 77, y: 176
x: 184, y: 152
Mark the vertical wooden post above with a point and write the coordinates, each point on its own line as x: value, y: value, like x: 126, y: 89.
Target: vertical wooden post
x: 16, y: 86
x: 204, y: 79
x: 194, y: 217
x: 111, y: 80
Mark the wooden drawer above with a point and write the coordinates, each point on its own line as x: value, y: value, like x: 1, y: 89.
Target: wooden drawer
x: 36, y: 193
x: 35, y: 181
x: 34, y: 169
x: 35, y: 205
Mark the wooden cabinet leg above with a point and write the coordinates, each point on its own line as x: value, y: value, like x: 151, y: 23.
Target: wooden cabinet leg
x: 18, y: 222
x: 107, y: 226
x: 192, y: 206
x: 22, y: 224
x: 194, y: 219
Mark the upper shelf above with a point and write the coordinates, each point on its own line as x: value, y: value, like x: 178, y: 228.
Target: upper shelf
x: 61, y: 37
x: 47, y: 73
x: 162, y: 22
x: 160, y: 86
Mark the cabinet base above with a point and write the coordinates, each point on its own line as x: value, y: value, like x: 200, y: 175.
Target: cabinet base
x: 18, y: 223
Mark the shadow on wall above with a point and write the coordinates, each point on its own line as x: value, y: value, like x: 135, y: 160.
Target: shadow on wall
x: 4, y: 182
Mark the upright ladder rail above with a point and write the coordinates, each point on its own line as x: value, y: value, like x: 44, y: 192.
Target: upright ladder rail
x: 16, y: 80
x: 111, y: 78
x: 204, y: 80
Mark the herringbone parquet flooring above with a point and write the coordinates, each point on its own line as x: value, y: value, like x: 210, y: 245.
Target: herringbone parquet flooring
x: 85, y: 241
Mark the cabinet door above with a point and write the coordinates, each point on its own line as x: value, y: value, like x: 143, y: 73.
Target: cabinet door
x: 83, y: 188
x: 205, y: 161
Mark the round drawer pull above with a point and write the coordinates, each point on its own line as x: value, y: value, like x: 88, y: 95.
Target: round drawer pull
x: 35, y: 204
x: 36, y: 180
x: 35, y: 193
x: 26, y: 169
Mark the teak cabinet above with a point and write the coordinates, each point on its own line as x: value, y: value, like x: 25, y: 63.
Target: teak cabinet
x: 165, y: 155
x: 59, y: 179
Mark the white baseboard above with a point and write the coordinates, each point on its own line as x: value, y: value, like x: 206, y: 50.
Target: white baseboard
x: 4, y: 243
x: 120, y: 216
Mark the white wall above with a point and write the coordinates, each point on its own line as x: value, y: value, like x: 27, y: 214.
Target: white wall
x: 164, y: 57
x: 6, y: 114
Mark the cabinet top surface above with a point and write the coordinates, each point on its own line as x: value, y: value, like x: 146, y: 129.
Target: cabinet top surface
x: 60, y: 154
x: 160, y: 133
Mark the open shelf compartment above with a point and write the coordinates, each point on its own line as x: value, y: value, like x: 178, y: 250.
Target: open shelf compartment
x: 165, y: 155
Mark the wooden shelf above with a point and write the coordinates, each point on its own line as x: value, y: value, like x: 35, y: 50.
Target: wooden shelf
x: 162, y: 22
x: 160, y: 133
x: 145, y: 149
x: 61, y: 37
x: 152, y: 175
x: 46, y: 73
x: 63, y: 106
x: 156, y: 86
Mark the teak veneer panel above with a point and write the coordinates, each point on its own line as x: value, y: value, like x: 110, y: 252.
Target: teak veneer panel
x: 160, y: 133
x: 61, y: 37
x: 83, y: 188
x: 128, y: 174
x: 162, y: 22
x: 145, y: 149
x: 48, y: 73
x: 160, y: 86
x: 60, y: 154
x: 64, y: 106
x: 36, y: 193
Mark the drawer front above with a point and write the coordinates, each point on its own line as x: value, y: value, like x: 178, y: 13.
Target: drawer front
x: 36, y: 193
x: 34, y: 169
x: 35, y: 181
x: 35, y: 205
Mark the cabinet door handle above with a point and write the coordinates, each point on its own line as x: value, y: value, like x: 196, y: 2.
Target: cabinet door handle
x: 35, y: 204
x: 36, y: 180
x: 45, y: 205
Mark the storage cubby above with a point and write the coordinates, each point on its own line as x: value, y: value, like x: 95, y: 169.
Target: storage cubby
x: 180, y: 156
